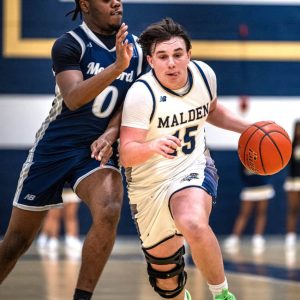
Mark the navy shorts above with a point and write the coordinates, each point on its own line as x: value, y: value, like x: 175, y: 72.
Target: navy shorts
x: 43, y: 177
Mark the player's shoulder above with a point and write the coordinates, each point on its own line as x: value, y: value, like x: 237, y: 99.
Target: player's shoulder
x: 204, y: 66
x: 145, y: 78
x: 142, y: 86
x: 65, y: 40
x: 205, y: 70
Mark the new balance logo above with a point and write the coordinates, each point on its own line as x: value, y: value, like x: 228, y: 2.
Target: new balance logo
x: 163, y: 99
x: 29, y: 197
x: 89, y: 45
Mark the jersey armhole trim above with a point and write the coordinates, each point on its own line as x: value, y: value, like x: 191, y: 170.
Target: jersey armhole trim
x: 80, y: 41
x: 204, y: 78
x: 152, y: 94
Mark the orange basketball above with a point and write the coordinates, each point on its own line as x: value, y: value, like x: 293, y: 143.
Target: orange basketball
x: 264, y: 148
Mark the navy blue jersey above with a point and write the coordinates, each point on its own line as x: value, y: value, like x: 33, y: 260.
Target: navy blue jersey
x: 61, y: 152
x: 64, y: 129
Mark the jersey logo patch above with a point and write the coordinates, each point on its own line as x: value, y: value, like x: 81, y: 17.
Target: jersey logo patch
x: 89, y: 45
x: 163, y: 99
x: 190, y: 177
x: 29, y: 197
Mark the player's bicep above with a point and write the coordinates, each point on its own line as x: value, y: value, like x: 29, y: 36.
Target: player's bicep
x: 213, y: 105
x: 67, y: 81
x: 213, y: 115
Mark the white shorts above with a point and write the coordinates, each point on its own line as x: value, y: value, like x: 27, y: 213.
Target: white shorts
x: 150, y: 207
x: 264, y: 192
x: 292, y: 184
x: 69, y: 196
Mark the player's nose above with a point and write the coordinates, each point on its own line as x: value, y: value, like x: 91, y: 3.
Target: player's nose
x: 171, y: 62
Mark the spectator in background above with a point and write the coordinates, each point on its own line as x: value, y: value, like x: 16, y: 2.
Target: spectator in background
x: 255, y: 194
x: 292, y: 187
x: 48, y: 240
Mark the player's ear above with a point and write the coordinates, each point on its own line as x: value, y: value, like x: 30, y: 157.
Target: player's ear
x: 84, y: 6
x: 189, y: 53
x: 149, y: 60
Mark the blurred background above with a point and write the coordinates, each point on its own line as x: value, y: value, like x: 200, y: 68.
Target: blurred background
x: 253, y: 46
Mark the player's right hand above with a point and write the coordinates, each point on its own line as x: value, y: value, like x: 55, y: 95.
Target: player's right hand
x: 166, y: 146
x: 101, y: 150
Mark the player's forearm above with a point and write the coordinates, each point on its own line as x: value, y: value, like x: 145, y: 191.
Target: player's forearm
x: 112, y: 132
x: 225, y: 119
x: 85, y: 91
x: 135, y: 153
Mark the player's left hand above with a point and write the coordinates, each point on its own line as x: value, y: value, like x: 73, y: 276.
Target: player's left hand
x: 101, y: 150
x: 124, y: 50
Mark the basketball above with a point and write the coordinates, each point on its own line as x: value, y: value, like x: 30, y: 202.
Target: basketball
x: 264, y: 148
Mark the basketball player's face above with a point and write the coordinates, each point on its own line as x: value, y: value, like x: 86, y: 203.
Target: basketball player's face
x: 104, y: 16
x: 169, y: 60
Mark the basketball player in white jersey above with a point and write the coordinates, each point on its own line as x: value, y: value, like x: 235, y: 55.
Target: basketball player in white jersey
x: 172, y: 180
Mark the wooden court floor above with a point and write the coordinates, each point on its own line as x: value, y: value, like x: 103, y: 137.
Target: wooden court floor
x: 271, y: 275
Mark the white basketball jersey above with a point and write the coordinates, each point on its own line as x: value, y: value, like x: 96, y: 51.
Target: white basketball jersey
x: 149, y: 105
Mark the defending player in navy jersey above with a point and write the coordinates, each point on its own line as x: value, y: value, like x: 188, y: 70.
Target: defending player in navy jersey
x: 172, y: 180
x: 94, y: 65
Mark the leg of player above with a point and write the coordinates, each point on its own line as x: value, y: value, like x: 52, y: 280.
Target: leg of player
x: 102, y: 191
x: 166, y: 269
x: 191, y: 208
x: 22, y: 229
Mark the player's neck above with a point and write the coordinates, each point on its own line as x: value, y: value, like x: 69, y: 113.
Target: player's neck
x: 108, y: 40
x: 184, y: 89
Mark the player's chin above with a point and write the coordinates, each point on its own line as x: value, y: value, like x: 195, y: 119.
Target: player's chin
x: 116, y: 23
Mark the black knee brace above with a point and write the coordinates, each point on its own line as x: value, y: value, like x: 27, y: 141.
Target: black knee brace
x: 178, y: 259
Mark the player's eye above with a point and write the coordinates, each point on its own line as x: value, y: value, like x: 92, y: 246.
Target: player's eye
x: 178, y: 54
x: 163, y: 57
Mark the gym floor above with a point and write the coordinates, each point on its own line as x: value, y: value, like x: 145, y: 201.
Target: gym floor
x: 270, y: 275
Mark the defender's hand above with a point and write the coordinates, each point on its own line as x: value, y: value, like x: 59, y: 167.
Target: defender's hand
x: 124, y: 50
x: 101, y: 150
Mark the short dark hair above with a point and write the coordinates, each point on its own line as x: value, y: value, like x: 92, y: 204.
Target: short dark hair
x: 75, y: 11
x: 160, y: 32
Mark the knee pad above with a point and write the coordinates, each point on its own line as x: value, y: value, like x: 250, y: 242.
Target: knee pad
x: 177, y: 259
